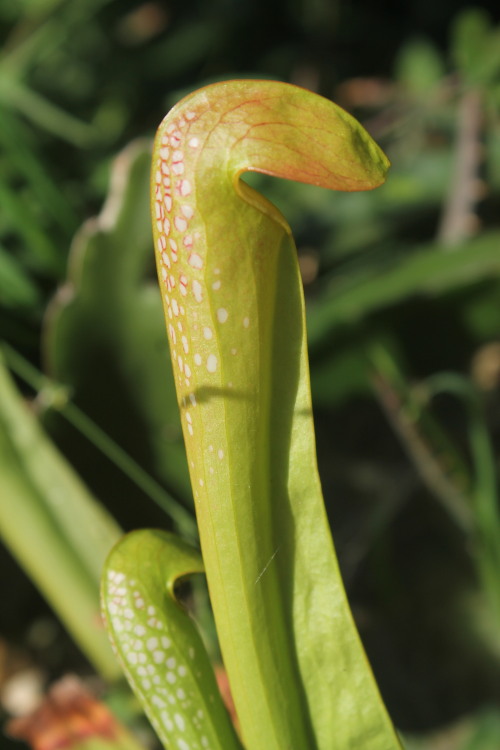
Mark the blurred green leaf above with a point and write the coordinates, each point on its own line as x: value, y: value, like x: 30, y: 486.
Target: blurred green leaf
x: 53, y: 527
x: 430, y: 271
x: 104, y: 333
x: 475, y: 47
x: 419, y: 68
x: 16, y: 288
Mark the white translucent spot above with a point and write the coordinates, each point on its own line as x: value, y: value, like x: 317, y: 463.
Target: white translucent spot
x: 190, y: 429
x: 140, y: 630
x: 158, y: 702
x: 177, y: 156
x: 246, y: 322
x: 190, y: 115
x: 165, y: 642
x: 179, y: 720
x: 185, y: 189
x: 168, y: 723
x: 175, y: 307
x: 197, y: 291
x: 187, y: 370
x: 187, y: 211
x: 158, y: 657
x: 192, y: 398
x: 195, y: 260
x: 146, y: 684
x: 220, y: 453
x: 208, y: 333
x: 142, y: 671
x: 128, y: 614
x: 132, y: 658
x: 216, y: 285
x: 234, y: 351
x: 171, y: 662
x: 166, y: 226
x: 180, y: 224
x: 197, y: 359
x: 167, y: 200
x: 222, y: 315
x: 182, y: 744
x: 171, y: 678
x: 178, y: 168
x: 194, y: 142
x: 164, y: 153
x: 151, y: 644
x: 211, y: 363
x: 185, y: 345
x: 181, y: 694
x: 188, y: 241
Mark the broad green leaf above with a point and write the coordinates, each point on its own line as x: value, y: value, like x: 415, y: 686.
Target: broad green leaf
x: 52, y: 525
x: 159, y: 646
x: 103, y: 333
x: 235, y: 317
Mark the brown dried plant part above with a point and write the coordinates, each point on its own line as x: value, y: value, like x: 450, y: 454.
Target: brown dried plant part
x: 68, y: 717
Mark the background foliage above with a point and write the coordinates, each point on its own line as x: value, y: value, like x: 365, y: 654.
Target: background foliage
x: 402, y: 286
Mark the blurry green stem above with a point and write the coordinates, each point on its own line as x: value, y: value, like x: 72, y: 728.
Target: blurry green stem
x: 55, y: 396
x: 45, y: 114
x: 422, y: 438
x: 485, y: 492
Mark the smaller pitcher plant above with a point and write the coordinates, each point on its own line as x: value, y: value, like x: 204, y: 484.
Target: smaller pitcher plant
x: 234, y: 312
